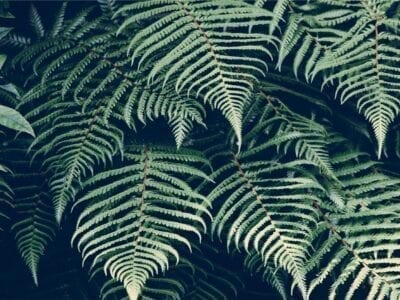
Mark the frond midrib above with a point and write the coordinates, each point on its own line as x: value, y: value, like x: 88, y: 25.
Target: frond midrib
x: 300, y: 274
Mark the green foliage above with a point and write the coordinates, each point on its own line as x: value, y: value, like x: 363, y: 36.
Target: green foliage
x: 267, y: 205
x: 9, y: 117
x: 90, y: 142
x: 272, y: 275
x: 205, y: 46
x: 353, y: 45
x: 5, y: 198
x: 195, y: 277
x: 290, y: 187
x: 108, y: 6
x: 371, y: 197
x: 12, y: 119
x: 34, y: 225
x: 135, y: 215
x: 89, y: 82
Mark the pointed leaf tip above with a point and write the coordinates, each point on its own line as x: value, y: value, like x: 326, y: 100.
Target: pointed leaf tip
x: 12, y: 119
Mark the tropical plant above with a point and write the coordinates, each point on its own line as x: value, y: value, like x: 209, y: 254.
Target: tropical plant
x: 189, y: 142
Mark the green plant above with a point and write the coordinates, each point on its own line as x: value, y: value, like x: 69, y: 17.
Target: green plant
x: 129, y: 101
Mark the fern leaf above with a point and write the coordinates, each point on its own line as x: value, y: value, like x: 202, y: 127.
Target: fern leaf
x: 34, y: 229
x: 217, y: 64
x: 195, y: 277
x: 78, y: 61
x: 279, y: 10
x: 309, y: 137
x: 34, y: 226
x: 359, y: 243
x: 259, y: 3
x: 135, y: 216
x: 108, y: 6
x: 269, y: 273
x: 59, y: 20
x: 181, y: 114
x: 353, y: 47
x: 253, y: 196
x: 73, y: 145
x: 6, y: 196
x: 36, y: 21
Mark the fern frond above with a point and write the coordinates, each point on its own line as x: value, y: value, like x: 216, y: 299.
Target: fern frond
x: 291, y: 36
x: 90, y: 142
x: 59, y: 20
x: 67, y: 32
x: 34, y: 225
x: 74, y: 143
x: 36, y: 21
x: 15, y: 41
x: 204, y: 50
x: 134, y: 216
x: 6, y: 197
x: 265, y: 204
x: 372, y: 80
x: 180, y: 113
x: 304, y: 207
x: 195, y: 277
x: 269, y: 273
x: 108, y: 6
x: 279, y: 10
x: 264, y: 221
x: 87, y: 80
x: 362, y: 242
x: 309, y: 139
x: 259, y: 3
x: 354, y: 47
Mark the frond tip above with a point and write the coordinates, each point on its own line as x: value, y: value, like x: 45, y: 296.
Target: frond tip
x: 133, y: 293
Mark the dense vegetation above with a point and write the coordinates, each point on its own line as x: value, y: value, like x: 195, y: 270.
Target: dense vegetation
x: 172, y: 133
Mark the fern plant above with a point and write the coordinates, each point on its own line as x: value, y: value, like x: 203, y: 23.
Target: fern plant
x: 34, y: 225
x: 132, y: 223
x: 354, y: 46
x: 131, y: 156
x: 9, y: 119
x: 268, y: 204
x: 90, y: 142
x: 205, y: 47
x: 371, y: 198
